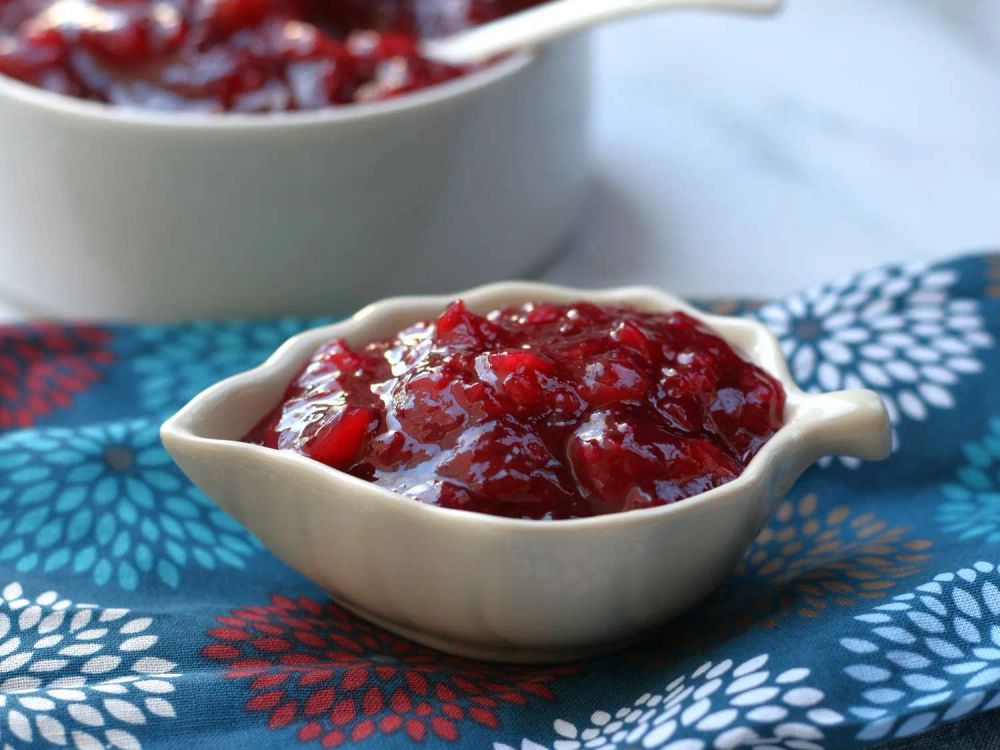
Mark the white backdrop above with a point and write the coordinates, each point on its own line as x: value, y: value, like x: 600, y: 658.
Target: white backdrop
x: 755, y: 157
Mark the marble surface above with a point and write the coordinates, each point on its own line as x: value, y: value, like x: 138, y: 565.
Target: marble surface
x: 754, y: 157
x: 738, y: 156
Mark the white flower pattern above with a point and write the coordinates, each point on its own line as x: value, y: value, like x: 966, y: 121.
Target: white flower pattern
x: 720, y: 705
x: 930, y: 656
x: 897, y: 330
x: 75, y: 675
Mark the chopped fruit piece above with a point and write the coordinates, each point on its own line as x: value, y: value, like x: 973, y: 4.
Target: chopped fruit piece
x: 627, y: 462
x: 459, y: 328
x: 229, y: 16
x: 338, y: 442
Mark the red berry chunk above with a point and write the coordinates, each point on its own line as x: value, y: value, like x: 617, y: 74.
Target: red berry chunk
x: 460, y: 329
x: 339, y: 441
x: 538, y: 411
x: 507, y: 469
x: 232, y: 55
x: 625, y: 462
x: 229, y: 16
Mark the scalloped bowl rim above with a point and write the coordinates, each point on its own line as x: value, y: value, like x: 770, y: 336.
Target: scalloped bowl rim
x: 63, y: 104
x: 179, y: 425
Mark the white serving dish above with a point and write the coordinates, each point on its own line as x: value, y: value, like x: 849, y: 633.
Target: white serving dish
x: 114, y: 213
x: 489, y: 587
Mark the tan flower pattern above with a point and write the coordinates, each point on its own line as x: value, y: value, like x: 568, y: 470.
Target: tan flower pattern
x: 993, y: 275
x: 814, y: 560
x: 808, y: 561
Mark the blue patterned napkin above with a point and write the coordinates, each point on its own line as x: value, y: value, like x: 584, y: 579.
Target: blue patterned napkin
x: 134, y: 614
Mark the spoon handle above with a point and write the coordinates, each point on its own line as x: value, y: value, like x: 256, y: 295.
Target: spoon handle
x: 559, y: 17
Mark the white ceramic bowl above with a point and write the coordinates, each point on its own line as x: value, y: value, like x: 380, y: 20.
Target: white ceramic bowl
x: 489, y: 587
x: 115, y: 213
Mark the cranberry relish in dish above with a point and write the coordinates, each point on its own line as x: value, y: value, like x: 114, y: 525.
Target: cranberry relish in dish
x: 538, y: 411
x: 233, y: 55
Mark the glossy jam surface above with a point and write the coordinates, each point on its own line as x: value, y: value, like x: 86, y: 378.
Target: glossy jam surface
x: 232, y: 55
x: 539, y: 411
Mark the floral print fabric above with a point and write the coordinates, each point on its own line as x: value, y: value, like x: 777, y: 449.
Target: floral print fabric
x: 135, y: 614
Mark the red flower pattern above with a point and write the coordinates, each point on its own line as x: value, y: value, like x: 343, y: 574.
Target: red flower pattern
x: 42, y: 367
x: 339, y: 678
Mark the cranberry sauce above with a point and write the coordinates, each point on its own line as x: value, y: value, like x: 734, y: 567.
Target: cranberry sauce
x: 236, y: 55
x: 539, y: 411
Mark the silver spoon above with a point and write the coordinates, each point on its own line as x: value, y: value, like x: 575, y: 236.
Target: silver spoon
x: 559, y: 17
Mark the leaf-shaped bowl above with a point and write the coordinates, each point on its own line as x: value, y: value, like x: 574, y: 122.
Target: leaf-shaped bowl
x: 497, y: 588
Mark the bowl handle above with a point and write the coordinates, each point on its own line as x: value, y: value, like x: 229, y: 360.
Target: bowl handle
x: 846, y: 423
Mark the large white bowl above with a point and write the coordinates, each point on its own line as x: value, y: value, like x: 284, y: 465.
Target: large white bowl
x: 115, y: 213
x: 489, y: 587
